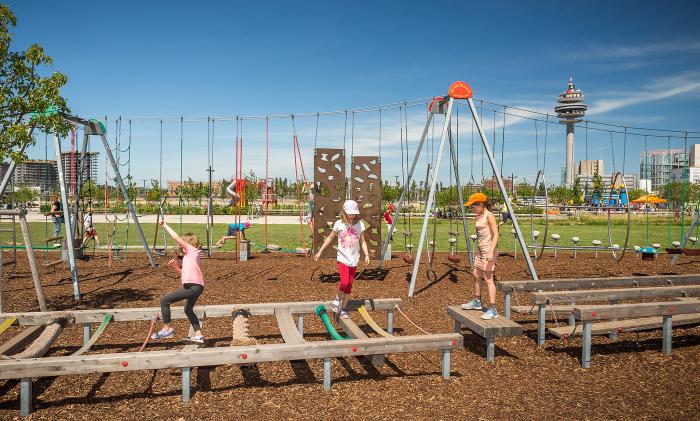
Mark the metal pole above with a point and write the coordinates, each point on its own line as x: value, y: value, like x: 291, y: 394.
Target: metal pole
x: 125, y: 192
x: 687, y: 236
x: 66, y: 215
x: 79, y: 188
x: 431, y: 198
x: 465, y: 228
x: 503, y: 190
x: 11, y: 168
x: 399, y: 205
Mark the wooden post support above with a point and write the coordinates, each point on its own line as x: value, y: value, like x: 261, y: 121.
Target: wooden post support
x: 25, y: 397
x: 32, y: 260
x: 586, y: 347
x: 490, y: 349
x: 613, y: 335
x: 667, y: 335
x: 300, y: 324
x: 186, y: 371
x: 458, y: 326
x: 445, y: 364
x: 326, y: 374
x: 86, y: 333
x: 541, y: 324
x: 506, y: 305
x: 390, y: 321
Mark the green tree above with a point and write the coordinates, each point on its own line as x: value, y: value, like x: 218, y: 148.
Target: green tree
x: 597, y: 185
x: 523, y: 190
x: 635, y: 194
x: 390, y: 194
x: 559, y: 194
x: 576, y: 191
x: 90, y: 191
x: 28, y: 98
x: 24, y: 195
x: 156, y: 194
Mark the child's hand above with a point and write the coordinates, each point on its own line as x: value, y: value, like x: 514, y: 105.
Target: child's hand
x: 173, y: 263
x: 366, y: 259
x: 317, y: 256
x: 162, y: 222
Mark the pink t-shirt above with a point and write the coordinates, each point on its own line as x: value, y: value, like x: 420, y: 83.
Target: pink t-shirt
x: 191, y: 272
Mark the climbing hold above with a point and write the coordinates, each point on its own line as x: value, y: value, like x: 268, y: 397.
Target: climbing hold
x: 354, y: 349
x: 125, y: 363
x: 244, y: 356
x: 454, y: 342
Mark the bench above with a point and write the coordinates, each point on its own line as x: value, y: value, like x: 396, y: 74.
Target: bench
x: 487, y: 329
x: 510, y: 287
x: 541, y: 299
x: 588, y: 314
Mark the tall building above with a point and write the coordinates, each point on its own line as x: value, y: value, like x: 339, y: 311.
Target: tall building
x: 570, y: 110
x: 590, y: 167
x: 658, y: 165
x: 37, y: 174
x: 69, y: 160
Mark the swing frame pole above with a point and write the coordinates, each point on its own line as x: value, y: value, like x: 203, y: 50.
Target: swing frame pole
x: 70, y: 244
x: 504, y: 192
x: 465, y: 228
x: 688, y: 234
x: 399, y: 204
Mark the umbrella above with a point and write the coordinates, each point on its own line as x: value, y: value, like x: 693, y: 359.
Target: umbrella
x: 649, y: 198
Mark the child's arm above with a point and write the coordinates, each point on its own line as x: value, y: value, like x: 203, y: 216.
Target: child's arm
x: 365, y: 249
x: 326, y: 243
x: 182, y: 243
x: 495, y: 235
x: 175, y: 265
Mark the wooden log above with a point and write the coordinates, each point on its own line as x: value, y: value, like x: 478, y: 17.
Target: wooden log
x: 472, y: 320
x: 219, y: 310
x: 32, y: 261
x: 620, y: 311
x: 43, y: 342
x: 582, y: 283
x: 154, y: 360
x: 534, y: 310
x: 20, y: 341
x: 614, y: 294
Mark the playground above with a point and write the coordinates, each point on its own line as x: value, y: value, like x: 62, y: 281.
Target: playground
x: 630, y: 377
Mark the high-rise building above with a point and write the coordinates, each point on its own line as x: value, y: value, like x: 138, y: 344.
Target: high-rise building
x: 591, y: 167
x: 658, y: 165
x: 37, y: 174
x: 69, y: 161
x: 570, y: 109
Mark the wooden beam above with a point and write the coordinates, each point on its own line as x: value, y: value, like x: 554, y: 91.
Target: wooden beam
x: 627, y: 325
x: 285, y: 321
x: 471, y: 319
x: 620, y: 311
x: 131, y: 361
x: 614, y: 294
x: 582, y: 283
x: 220, y: 310
x: 355, y: 332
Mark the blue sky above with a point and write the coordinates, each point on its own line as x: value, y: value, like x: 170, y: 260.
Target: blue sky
x: 638, y: 64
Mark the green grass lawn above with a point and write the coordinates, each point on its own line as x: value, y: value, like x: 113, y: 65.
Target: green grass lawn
x: 288, y: 236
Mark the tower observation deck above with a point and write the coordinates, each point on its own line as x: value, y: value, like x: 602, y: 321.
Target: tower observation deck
x: 570, y: 109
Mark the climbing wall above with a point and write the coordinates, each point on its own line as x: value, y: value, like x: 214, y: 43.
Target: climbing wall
x: 329, y: 194
x: 366, y: 183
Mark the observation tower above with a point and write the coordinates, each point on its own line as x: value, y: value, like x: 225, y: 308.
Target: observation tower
x: 570, y: 108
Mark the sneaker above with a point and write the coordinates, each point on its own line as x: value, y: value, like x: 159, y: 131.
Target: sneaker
x: 199, y: 339
x: 474, y: 304
x: 490, y: 314
x: 164, y: 333
x: 335, y: 304
x: 344, y: 314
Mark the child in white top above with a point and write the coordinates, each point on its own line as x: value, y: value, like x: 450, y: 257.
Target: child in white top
x: 350, y: 231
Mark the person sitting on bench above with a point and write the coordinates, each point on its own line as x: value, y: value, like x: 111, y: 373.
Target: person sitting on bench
x: 233, y: 231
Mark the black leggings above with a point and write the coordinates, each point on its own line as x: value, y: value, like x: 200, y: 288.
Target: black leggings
x: 189, y: 292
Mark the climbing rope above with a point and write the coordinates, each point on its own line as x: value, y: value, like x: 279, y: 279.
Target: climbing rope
x: 396, y: 307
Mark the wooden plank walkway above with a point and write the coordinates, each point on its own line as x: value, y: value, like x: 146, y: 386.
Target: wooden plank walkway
x: 487, y: 329
x: 627, y: 325
x: 289, y: 330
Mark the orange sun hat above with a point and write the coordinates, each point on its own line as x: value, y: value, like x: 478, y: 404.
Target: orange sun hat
x: 477, y: 197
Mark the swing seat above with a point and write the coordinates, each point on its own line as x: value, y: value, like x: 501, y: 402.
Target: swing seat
x: 409, y: 246
x: 274, y: 247
x: 454, y: 259
x: 48, y: 240
x: 302, y: 250
x: 407, y: 233
x: 453, y: 233
x: 408, y: 259
x: 431, y: 243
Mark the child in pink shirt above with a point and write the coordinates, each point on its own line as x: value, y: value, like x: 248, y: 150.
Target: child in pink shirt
x: 192, y: 286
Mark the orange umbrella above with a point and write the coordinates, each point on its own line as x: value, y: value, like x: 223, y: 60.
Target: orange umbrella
x: 649, y: 198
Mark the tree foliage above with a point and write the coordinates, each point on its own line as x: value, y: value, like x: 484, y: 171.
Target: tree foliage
x: 26, y: 95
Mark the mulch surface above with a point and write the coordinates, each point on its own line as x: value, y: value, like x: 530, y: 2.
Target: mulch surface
x: 629, y: 377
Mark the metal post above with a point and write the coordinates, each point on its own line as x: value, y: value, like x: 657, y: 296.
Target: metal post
x: 490, y: 349
x: 399, y: 205
x: 70, y: 244
x: 300, y: 325
x: 506, y: 304
x: 32, y: 259
x: 688, y: 234
x: 431, y: 198
x: 503, y: 190
x: 667, y: 335
x: 25, y: 397
x: 445, y: 364
x: 326, y: 374
x: 79, y: 183
x: 541, y: 324
x: 458, y: 326
x: 612, y: 336
x: 125, y: 193
x: 453, y: 154
x: 186, y: 371
x: 586, y: 346
x: 86, y: 333
x: 390, y: 321
x: 572, y: 318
